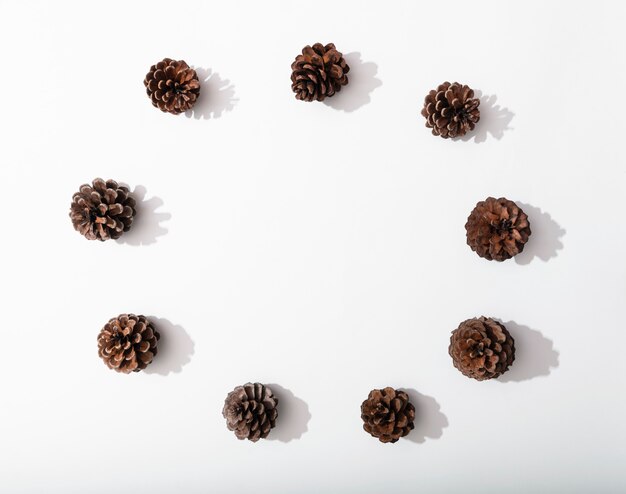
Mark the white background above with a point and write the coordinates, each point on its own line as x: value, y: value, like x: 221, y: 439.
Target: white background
x: 318, y: 247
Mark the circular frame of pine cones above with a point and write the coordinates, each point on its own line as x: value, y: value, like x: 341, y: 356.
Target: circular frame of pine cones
x: 497, y: 229
x: 387, y: 414
x: 251, y: 411
x: 318, y: 73
x: 482, y: 348
x: 102, y: 210
x: 128, y: 343
x: 451, y: 110
x: 172, y: 86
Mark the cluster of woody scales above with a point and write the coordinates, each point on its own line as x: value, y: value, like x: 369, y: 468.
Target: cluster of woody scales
x: 496, y: 229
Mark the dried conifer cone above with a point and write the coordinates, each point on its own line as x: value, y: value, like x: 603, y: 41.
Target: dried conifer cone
x: 482, y: 348
x: 387, y: 414
x: 497, y: 229
x: 128, y: 343
x: 172, y: 86
x: 250, y: 411
x: 451, y: 110
x: 103, y: 210
x: 318, y: 73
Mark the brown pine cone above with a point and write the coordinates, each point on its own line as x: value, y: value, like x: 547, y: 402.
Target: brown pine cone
x: 172, y: 86
x: 250, y: 411
x: 451, y: 110
x: 497, y: 229
x: 128, y: 343
x: 482, y: 348
x: 387, y: 414
x: 318, y: 73
x: 102, y: 210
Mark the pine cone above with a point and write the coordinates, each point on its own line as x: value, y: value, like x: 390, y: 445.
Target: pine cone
x: 482, y: 348
x: 250, y: 411
x: 102, y: 210
x: 128, y: 343
x: 387, y: 414
x: 172, y: 86
x: 451, y: 110
x: 318, y: 73
x: 497, y: 229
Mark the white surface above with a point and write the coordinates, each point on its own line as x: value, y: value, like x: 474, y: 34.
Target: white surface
x: 319, y: 247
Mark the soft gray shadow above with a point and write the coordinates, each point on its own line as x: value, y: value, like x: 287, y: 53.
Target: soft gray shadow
x: 293, y: 415
x: 175, y: 348
x: 361, y: 82
x: 494, y: 120
x: 217, y: 96
x: 535, y: 355
x: 146, y: 227
x: 429, y: 421
x: 545, y: 238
